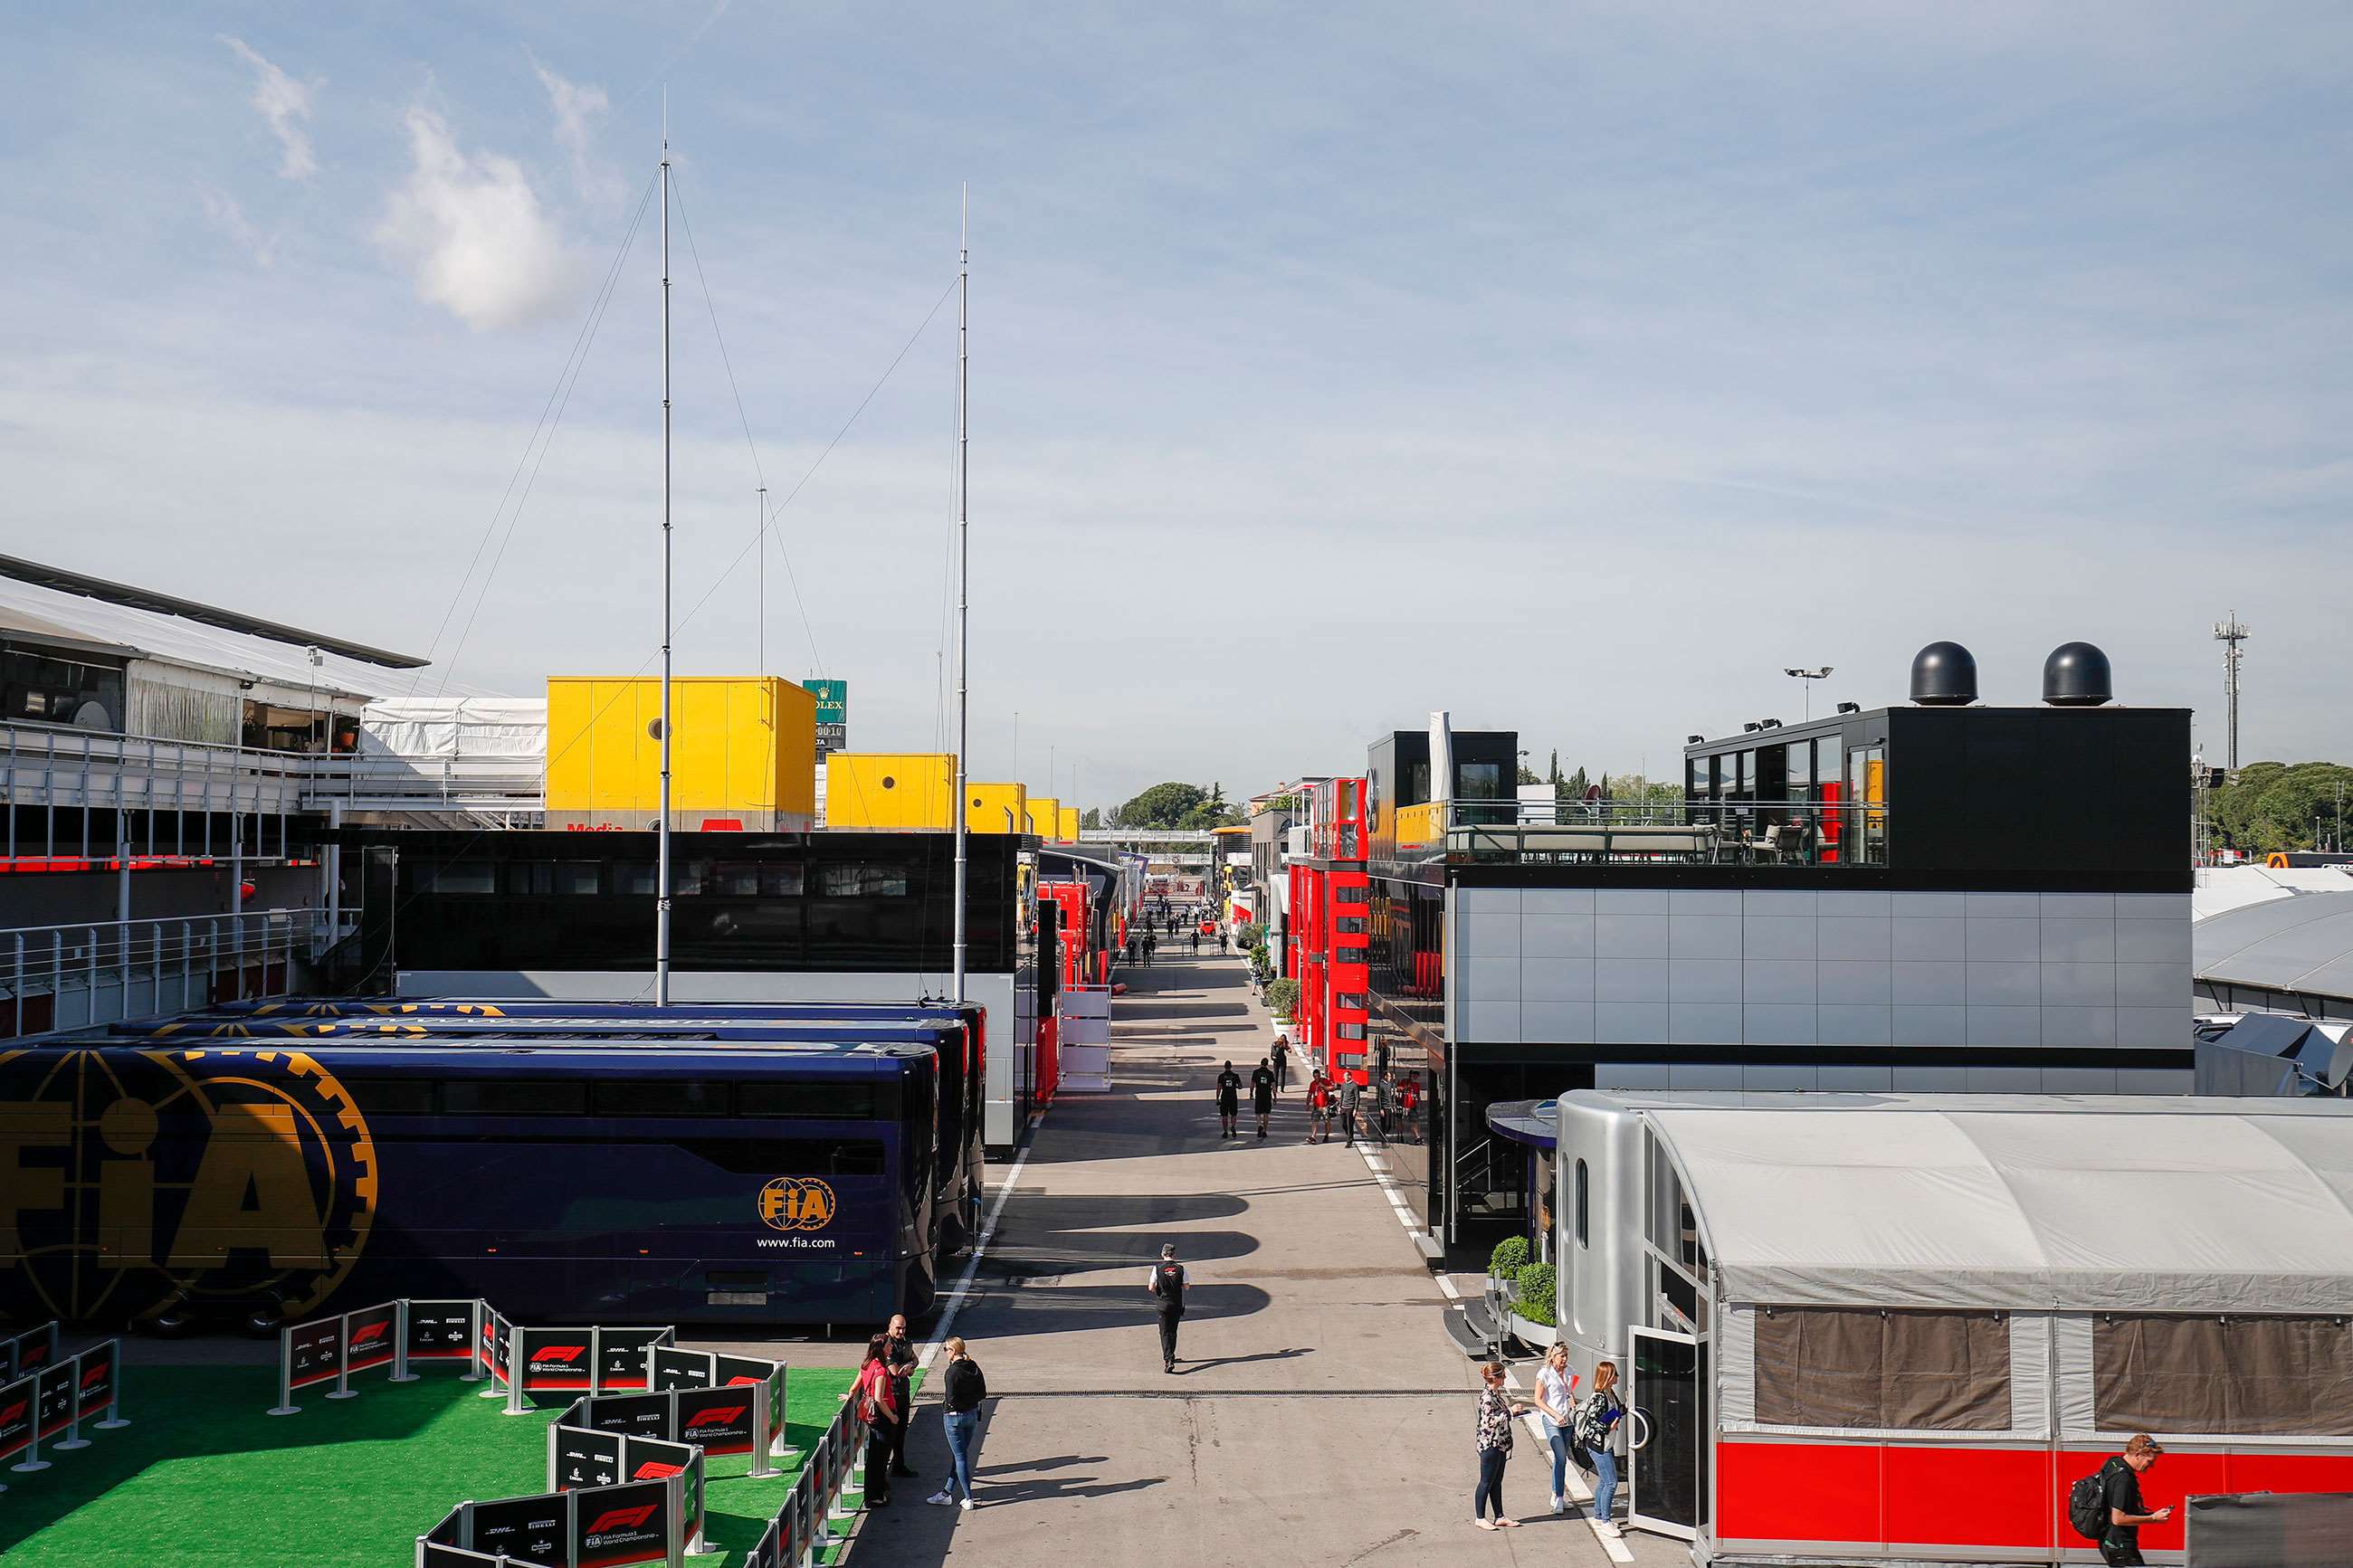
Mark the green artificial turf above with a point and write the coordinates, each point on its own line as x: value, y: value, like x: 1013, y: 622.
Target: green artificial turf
x: 203, y: 1475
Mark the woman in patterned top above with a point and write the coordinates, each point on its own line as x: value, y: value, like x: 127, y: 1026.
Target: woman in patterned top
x: 1496, y: 1411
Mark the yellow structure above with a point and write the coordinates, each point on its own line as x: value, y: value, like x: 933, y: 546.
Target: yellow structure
x: 742, y: 752
x: 1045, y: 817
x: 995, y: 807
x: 1070, y: 814
x: 890, y: 789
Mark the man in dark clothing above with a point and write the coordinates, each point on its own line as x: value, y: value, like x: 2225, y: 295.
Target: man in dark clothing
x: 900, y: 1358
x: 1350, y: 1091
x: 1230, y: 1099
x: 1166, y: 1285
x: 1262, y: 1094
x: 2120, y: 1484
x: 1282, y: 1062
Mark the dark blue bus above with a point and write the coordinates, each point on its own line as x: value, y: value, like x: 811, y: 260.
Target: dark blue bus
x: 565, y: 1181
x: 957, y: 1033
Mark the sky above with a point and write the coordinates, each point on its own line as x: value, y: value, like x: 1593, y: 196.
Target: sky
x: 1575, y: 368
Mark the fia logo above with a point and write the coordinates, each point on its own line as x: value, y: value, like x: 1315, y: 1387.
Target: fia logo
x: 796, y: 1202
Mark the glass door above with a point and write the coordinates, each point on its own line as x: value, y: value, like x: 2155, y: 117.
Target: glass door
x: 1666, y: 1441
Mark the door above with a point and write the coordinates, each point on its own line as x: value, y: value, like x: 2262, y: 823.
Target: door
x: 1666, y: 1439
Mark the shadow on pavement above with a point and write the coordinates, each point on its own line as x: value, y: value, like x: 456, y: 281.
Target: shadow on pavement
x: 1187, y: 1368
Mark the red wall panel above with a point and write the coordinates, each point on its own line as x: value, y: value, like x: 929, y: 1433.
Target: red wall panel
x: 1969, y: 1497
x: 1796, y: 1491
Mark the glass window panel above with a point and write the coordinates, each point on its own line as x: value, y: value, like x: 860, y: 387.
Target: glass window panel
x: 658, y: 1097
x: 819, y: 1100
x: 634, y: 879
x: 513, y: 1097
x: 462, y: 877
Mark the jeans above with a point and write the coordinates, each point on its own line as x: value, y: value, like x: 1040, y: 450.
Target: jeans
x: 1491, y: 1482
x: 1605, y: 1481
x: 1559, y: 1441
x: 964, y: 1431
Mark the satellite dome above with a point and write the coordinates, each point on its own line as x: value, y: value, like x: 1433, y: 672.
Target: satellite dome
x: 1944, y: 675
x: 2076, y: 675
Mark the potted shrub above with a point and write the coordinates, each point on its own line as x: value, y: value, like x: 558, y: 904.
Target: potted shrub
x: 1283, y: 997
x: 1532, y: 1304
x: 1504, y: 1265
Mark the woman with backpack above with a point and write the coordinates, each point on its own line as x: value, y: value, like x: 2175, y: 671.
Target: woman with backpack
x: 877, y: 1403
x: 1496, y: 1411
x: 1596, y: 1431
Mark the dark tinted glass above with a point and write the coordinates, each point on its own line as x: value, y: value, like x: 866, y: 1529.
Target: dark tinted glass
x: 820, y: 1099
x: 658, y: 1097
x: 391, y: 1095
x: 494, y: 1096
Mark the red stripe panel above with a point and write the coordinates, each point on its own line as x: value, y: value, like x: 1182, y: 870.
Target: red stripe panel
x: 1796, y: 1491
x: 2175, y: 1475
x: 1969, y: 1497
x: 2287, y: 1472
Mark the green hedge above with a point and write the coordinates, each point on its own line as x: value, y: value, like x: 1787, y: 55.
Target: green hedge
x: 1283, y: 997
x: 1511, y: 1256
x: 1532, y: 1292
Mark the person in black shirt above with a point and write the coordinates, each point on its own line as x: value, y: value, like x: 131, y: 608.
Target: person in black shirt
x: 965, y: 1389
x: 1167, y: 1286
x: 1282, y: 1062
x: 1262, y: 1094
x: 2120, y: 1483
x: 899, y: 1355
x: 1230, y: 1099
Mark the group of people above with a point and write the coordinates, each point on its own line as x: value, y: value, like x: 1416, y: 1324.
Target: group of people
x: 1329, y: 1098
x: 885, y: 1393
x: 1592, y: 1430
x: 1143, y: 945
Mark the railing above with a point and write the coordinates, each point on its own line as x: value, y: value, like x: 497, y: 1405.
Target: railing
x: 94, y: 972
x: 1815, y: 832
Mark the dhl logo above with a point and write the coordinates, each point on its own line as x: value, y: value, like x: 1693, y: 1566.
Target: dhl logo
x: 717, y: 1415
x: 653, y: 1470
x: 566, y: 1353
x: 368, y: 1334
x: 622, y: 1519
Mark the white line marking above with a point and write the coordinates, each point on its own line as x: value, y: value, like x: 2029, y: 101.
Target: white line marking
x: 980, y: 1246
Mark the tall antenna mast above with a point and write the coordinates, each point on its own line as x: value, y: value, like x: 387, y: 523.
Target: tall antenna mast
x: 964, y: 567
x: 661, y: 857
x: 760, y: 542
x: 2231, y: 633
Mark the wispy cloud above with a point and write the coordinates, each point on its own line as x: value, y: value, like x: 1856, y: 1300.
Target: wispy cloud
x: 285, y: 104
x: 578, y: 108
x: 473, y: 233
x: 222, y: 211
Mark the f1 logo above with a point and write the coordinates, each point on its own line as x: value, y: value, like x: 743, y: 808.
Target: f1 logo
x: 367, y: 1334
x: 719, y: 1415
x: 621, y: 1519
x: 651, y: 1470
x: 96, y: 1374
x: 560, y: 1354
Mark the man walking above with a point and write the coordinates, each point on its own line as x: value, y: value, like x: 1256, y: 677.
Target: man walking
x: 1319, y: 1107
x: 1167, y: 1286
x: 1281, y: 1062
x: 1262, y: 1094
x: 1350, y: 1090
x: 1229, y: 1099
x: 2120, y: 1495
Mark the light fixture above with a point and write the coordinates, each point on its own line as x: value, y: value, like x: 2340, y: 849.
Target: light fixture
x: 1849, y: 707
x: 1809, y: 676
x: 1750, y: 728
x: 1768, y: 724
x: 1694, y: 740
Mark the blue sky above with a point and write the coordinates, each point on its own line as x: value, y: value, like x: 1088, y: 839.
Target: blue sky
x: 1573, y: 367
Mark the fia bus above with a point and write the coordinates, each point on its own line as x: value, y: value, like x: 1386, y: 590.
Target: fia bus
x: 694, y: 1182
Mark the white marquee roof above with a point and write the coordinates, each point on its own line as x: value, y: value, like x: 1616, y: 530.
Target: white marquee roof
x: 2075, y: 1203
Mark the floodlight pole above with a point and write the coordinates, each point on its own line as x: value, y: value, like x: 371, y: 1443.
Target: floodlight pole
x: 661, y: 836
x: 963, y: 576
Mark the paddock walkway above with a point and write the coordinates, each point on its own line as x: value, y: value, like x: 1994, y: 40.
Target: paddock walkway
x: 1319, y: 1415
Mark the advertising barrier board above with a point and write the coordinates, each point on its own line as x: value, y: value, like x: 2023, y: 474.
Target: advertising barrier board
x: 668, y: 1368
x: 432, y: 1554
x: 557, y: 1359
x: 16, y: 1415
x: 630, y: 1522
x: 578, y: 1456
x: 534, y: 1529
x: 722, y: 1420
x: 307, y: 1354
x: 651, y: 1459
x: 99, y: 1391
x: 372, y: 1337
x: 53, y: 1401
x: 621, y: 1355
x: 30, y: 1352
x: 441, y: 1331
x: 640, y: 1415
x: 770, y: 1552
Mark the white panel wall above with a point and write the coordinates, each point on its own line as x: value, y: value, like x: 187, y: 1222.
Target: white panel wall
x: 1798, y: 967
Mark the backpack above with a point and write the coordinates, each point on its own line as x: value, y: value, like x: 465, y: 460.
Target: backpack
x: 2087, y: 1505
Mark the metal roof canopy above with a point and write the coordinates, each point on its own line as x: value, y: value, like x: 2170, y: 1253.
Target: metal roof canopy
x: 2025, y: 1202
x: 2303, y: 944
x: 64, y: 581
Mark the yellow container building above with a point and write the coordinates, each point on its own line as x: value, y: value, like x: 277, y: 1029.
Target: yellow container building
x: 995, y: 807
x: 890, y: 789
x: 741, y: 756
x: 1070, y: 814
x: 1045, y: 817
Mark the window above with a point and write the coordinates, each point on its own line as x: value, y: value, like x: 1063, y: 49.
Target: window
x: 553, y: 879
x: 2252, y: 1375
x: 1341, y: 893
x: 1351, y: 1001
x: 57, y: 691
x: 1799, y: 772
x: 391, y: 1095
x: 1348, y: 1031
x: 863, y: 881
x: 461, y: 877
x: 1350, y: 925
x: 1584, y: 1205
x: 688, y: 878
x: 819, y: 1100
x: 511, y: 1097
x: 735, y: 879
x: 1830, y: 1366
x: 1480, y: 781
x: 634, y: 879
x: 657, y: 1096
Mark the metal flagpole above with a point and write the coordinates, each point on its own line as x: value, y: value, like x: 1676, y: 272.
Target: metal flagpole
x: 760, y: 542
x: 661, y: 857
x: 964, y: 570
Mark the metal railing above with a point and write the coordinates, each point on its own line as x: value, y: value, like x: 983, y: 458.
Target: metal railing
x: 1811, y: 832
x: 96, y: 972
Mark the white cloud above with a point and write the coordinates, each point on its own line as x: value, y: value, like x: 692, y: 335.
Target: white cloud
x: 578, y: 108
x: 222, y: 211
x: 284, y: 103
x: 472, y: 233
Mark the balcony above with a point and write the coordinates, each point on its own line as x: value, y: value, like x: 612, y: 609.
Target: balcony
x: 94, y: 973
x: 1823, y: 832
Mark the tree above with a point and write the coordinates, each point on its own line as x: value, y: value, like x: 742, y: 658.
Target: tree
x: 1162, y: 805
x: 1552, y: 775
x: 2282, y: 806
x: 1090, y: 819
x: 1528, y: 775
x: 1575, y: 786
